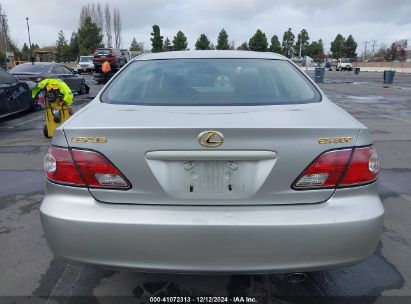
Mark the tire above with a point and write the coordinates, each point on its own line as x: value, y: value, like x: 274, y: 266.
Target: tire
x: 45, y: 132
x: 350, y: 69
x: 83, y: 89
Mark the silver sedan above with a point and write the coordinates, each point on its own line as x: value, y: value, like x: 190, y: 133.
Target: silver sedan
x: 212, y: 161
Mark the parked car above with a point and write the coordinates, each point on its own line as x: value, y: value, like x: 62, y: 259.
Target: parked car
x: 344, y: 64
x: 114, y: 56
x: 212, y: 161
x: 38, y: 71
x: 126, y: 54
x: 15, y: 95
x: 85, y: 64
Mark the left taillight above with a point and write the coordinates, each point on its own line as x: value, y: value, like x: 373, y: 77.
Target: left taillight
x: 82, y: 168
x: 340, y: 168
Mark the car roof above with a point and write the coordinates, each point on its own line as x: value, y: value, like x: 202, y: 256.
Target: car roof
x: 210, y: 54
x: 40, y: 63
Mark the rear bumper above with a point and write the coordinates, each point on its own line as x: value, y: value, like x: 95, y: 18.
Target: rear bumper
x: 342, y: 231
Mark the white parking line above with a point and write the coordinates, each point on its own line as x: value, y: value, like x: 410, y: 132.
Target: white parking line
x: 26, y: 121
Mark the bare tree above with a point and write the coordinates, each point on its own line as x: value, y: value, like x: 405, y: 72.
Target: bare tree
x: 108, y: 26
x: 99, y: 17
x: 95, y: 12
x: 117, y: 27
x: 4, y: 29
x: 83, y: 15
x: 92, y: 10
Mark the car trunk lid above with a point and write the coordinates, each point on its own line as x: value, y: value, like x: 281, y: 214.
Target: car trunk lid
x: 265, y: 149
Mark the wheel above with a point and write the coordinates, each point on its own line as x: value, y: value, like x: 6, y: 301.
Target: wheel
x: 350, y: 69
x: 46, y: 132
x: 83, y: 89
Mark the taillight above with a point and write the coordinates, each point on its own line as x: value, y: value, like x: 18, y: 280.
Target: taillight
x: 60, y: 168
x: 82, y: 168
x: 340, y: 168
x: 364, y: 167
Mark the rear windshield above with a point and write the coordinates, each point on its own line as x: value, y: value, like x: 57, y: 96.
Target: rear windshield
x: 193, y: 82
x: 30, y: 68
x: 103, y: 52
x: 86, y: 59
x: 6, y: 78
x: 345, y: 60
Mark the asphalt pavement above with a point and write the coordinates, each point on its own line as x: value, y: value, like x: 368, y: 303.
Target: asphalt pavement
x: 30, y: 274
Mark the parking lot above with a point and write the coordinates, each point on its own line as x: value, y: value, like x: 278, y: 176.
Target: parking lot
x: 28, y: 268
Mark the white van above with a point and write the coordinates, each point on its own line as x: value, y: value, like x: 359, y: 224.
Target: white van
x: 85, y: 64
x: 344, y: 64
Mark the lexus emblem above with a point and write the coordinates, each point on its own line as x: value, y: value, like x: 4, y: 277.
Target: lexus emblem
x: 210, y: 138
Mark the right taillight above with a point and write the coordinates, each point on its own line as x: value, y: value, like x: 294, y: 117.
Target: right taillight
x: 82, y: 168
x: 340, y: 168
x: 363, y: 168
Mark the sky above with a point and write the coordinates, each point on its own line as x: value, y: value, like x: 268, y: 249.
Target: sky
x: 380, y: 20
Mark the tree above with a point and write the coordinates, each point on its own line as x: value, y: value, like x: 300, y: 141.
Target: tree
x: 62, y: 48
x: 167, y: 47
x: 222, y: 41
x: 288, y: 43
x: 156, y: 40
x: 74, y: 46
x: 3, y: 60
x: 180, y: 42
x: 315, y: 50
x: 202, y: 43
x: 117, y: 28
x: 275, y: 46
x: 4, y: 32
x: 258, y: 42
x: 397, y: 50
x: 108, y: 27
x: 381, y: 53
x: 338, y: 47
x: 25, y: 52
x: 243, y: 46
x: 84, y: 13
x: 302, y: 43
x: 16, y: 51
x: 89, y: 37
x: 351, y: 47
x: 99, y: 17
x: 135, y: 46
x: 95, y: 12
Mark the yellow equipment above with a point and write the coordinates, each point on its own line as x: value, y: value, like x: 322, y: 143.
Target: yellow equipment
x: 59, y: 85
x: 57, y: 101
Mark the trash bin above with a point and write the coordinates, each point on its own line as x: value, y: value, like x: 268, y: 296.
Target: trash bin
x: 357, y: 71
x: 389, y: 76
x: 319, y: 75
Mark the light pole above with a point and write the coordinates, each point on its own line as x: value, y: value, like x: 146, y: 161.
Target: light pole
x: 28, y: 31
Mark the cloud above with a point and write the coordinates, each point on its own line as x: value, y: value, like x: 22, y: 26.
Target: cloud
x: 379, y: 20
